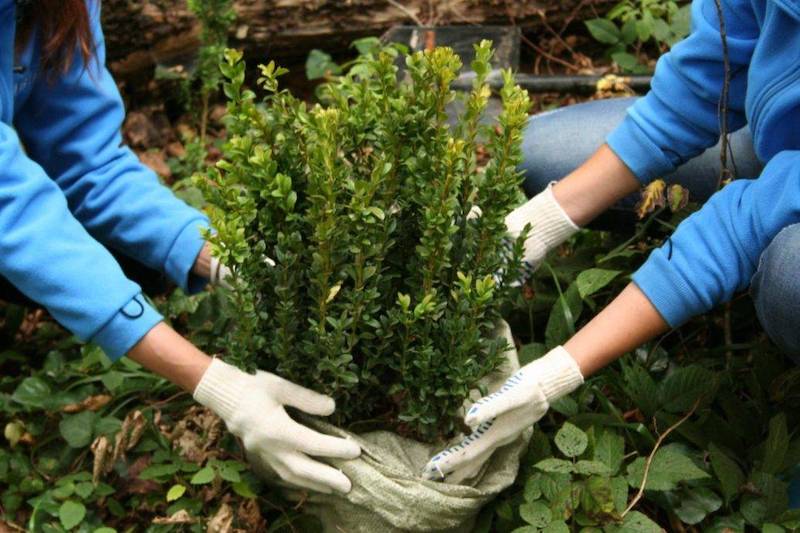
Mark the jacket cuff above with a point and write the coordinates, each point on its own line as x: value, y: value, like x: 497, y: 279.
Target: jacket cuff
x: 127, y: 327
x: 183, y: 254
x: 644, y: 158
x: 667, y: 290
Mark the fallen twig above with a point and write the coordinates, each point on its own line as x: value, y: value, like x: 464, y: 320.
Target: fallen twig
x: 650, y: 457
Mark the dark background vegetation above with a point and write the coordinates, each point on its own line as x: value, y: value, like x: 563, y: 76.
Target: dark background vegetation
x: 708, y: 411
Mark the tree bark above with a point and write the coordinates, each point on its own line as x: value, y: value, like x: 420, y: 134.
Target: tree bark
x: 145, y: 33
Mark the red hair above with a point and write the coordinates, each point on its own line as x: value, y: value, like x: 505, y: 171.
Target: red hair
x: 64, y: 29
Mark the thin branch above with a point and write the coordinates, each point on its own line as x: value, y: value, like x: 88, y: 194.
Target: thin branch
x: 650, y: 457
x: 410, y: 14
x: 724, y: 171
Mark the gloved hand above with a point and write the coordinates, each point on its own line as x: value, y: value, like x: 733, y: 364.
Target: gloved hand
x: 219, y: 273
x: 550, y: 225
x: 501, y: 417
x: 252, y: 407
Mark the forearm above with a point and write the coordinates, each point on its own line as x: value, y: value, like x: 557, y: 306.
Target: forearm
x: 595, y: 186
x: 626, y: 323
x: 171, y: 356
x: 202, y: 266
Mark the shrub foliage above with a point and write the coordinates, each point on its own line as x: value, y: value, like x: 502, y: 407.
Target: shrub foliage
x: 384, y: 229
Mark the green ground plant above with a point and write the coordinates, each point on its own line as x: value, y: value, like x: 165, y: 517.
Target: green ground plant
x: 383, y: 290
x: 632, y: 24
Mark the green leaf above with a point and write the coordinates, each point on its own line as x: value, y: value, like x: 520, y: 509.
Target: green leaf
x: 71, y: 513
x: 531, y: 352
x: 532, y: 490
x: 684, y: 386
x: 635, y: 522
x: 610, y: 449
x: 203, y: 476
x: 105, y: 529
x: 175, y: 492
x: 84, y: 489
x: 588, y: 468
x: 536, y: 514
x: 320, y: 64
x: 592, y: 280
x: 230, y: 472
x: 112, y: 380
x: 625, y: 60
x: 77, y: 429
x: 619, y: 493
x: 776, y: 445
x: 641, y: 388
x: 571, y: 440
x: 696, y: 504
x: 561, y: 322
x: 554, y: 465
x: 727, y: 471
x: 32, y: 392
x: 556, y: 527
x: 242, y: 488
x: 603, y: 30
x: 159, y: 471
x: 670, y: 466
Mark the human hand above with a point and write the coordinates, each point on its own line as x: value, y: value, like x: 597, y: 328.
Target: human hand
x: 550, y: 226
x: 501, y: 417
x: 253, y: 408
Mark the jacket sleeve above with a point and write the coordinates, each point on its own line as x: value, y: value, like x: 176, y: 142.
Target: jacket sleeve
x: 51, y: 258
x: 679, y: 117
x: 715, y: 251
x: 72, y: 127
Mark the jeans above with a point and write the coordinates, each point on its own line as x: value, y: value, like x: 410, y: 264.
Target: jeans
x: 557, y: 142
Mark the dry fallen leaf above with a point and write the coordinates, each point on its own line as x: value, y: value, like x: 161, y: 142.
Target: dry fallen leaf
x: 222, y: 521
x: 101, y: 448
x: 92, y: 403
x: 181, y: 517
x: 653, y: 198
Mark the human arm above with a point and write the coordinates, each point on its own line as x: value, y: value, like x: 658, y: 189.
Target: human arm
x: 71, y: 126
x: 675, y: 121
x: 253, y: 408
x: 627, y: 322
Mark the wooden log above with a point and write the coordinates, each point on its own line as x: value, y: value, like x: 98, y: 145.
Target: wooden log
x: 144, y: 33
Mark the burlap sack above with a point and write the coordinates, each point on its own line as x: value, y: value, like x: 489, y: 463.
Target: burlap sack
x: 390, y: 496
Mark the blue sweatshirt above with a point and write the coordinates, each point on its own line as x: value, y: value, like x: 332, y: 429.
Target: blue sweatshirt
x: 69, y: 190
x: 715, y: 252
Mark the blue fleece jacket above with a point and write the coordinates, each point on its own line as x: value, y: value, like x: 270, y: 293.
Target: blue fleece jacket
x: 714, y: 252
x: 75, y: 190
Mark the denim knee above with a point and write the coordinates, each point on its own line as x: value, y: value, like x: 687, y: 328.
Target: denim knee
x: 776, y: 290
x: 556, y: 142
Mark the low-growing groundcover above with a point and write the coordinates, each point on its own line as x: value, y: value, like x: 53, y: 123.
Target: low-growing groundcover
x: 389, y: 258
x: 59, y: 401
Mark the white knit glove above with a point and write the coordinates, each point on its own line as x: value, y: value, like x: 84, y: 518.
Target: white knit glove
x: 252, y: 406
x: 219, y: 273
x: 501, y: 417
x: 550, y: 226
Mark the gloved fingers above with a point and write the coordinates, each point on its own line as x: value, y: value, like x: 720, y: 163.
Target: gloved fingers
x: 306, y: 472
x: 313, y: 443
x: 513, y: 394
x: 487, y: 437
x: 469, y: 469
x: 306, y: 400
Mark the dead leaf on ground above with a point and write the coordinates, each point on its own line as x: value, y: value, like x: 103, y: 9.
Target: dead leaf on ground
x: 653, y: 198
x: 249, y: 516
x: 140, y: 131
x: 156, y: 161
x: 181, y: 517
x: 103, y: 462
x: 92, y: 403
x: 222, y: 522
